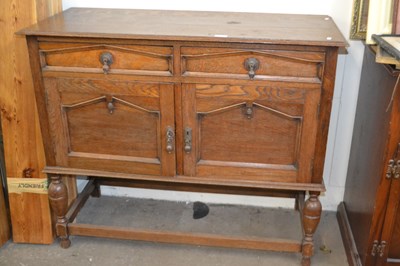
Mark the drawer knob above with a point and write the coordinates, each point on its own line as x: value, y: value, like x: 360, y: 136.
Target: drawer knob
x: 251, y: 64
x: 106, y: 59
x: 110, y: 104
x: 249, y: 112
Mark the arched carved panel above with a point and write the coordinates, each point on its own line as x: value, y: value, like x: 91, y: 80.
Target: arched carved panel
x: 249, y: 132
x: 109, y: 125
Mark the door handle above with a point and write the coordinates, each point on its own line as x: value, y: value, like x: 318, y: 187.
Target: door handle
x: 170, y: 139
x: 188, y: 139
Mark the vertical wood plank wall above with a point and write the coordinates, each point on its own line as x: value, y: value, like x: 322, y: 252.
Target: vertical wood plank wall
x: 30, y: 213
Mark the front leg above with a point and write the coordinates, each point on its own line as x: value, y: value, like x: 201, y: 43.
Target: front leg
x: 311, y: 217
x: 58, y: 197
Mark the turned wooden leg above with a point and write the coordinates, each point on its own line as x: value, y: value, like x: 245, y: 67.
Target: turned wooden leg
x: 311, y: 217
x: 58, y: 197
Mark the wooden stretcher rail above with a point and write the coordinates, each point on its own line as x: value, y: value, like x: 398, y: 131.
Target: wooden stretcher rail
x: 273, y: 244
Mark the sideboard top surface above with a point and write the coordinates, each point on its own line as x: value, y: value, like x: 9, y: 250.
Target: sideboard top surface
x: 192, y: 26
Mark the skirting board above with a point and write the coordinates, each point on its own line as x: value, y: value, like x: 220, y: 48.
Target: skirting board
x: 353, y: 257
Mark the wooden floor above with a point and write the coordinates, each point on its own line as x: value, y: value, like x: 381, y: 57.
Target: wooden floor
x: 163, y: 215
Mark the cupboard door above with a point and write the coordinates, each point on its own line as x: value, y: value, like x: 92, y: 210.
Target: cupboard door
x: 109, y: 125
x: 249, y: 132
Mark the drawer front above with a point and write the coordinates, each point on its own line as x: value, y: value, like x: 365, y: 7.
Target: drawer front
x: 252, y: 64
x: 104, y: 58
x: 111, y: 125
x: 250, y: 132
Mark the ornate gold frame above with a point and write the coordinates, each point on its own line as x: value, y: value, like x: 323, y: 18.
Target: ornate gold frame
x: 359, y: 20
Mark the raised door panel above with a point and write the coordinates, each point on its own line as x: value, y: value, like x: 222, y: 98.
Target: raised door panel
x: 250, y: 132
x: 112, y: 125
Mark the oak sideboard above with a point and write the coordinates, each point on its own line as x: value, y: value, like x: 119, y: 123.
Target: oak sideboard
x: 235, y: 103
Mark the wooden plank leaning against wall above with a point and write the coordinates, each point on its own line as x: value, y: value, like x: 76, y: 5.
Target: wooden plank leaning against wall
x: 30, y: 212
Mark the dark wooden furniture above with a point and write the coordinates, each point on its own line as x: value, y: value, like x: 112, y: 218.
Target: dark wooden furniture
x: 369, y: 216
x: 196, y: 101
x: 5, y: 230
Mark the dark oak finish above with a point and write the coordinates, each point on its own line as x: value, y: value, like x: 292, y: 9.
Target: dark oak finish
x: 195, y: 26
x: 350, y: 247
x: 234, y: 103
x: 368, y: 215
x: 5, y: 230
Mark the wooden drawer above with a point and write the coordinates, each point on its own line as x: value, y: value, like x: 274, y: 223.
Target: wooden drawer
x: 120, y: 59
x: 236, y: 63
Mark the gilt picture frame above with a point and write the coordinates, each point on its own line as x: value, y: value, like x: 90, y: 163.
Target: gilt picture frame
x: 359, y: 22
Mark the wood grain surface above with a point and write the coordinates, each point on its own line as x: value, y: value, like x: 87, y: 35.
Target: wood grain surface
x: 193, y: 25
x: 30, y: 213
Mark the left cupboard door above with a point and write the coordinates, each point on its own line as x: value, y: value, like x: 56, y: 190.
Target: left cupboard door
x: 112, y: 125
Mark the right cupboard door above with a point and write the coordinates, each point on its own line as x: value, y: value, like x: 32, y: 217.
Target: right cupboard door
x: 254, y: 133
